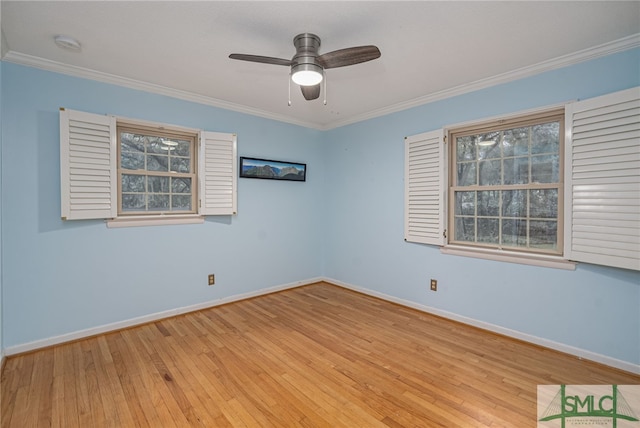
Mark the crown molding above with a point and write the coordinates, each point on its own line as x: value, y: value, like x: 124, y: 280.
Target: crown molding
x: 86, y: 73
x: 605, y: 49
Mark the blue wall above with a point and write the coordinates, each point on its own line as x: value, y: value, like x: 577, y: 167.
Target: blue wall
x: 345, y: 222
x: 61, y: 277
x: 593, y: 308
x: 1, y: 242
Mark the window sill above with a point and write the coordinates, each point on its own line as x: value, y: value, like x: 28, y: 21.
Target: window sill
x: 555, y: 262
x: 155, y: 220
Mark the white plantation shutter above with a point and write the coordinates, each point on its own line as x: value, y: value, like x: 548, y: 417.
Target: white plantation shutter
x: 87, y: 165
x: 602, y: 211
x: 425, y: 191
x: 218, y: 173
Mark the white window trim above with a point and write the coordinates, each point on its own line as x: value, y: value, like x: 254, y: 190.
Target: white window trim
x: 556, y: 262
x: 155, y: 220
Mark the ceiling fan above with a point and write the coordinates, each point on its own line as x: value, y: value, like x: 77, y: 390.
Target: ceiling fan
x: 307, y: 67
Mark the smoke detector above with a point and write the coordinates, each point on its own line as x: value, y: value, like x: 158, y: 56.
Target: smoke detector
x: 66, y: 42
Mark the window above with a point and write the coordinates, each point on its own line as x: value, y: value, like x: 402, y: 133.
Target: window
x: 156, y: 171
x: 139, y: 173
x: 546, y: 188
x: 506, y: 184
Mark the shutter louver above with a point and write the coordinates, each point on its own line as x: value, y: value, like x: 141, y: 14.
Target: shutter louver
x: 87, y: 166
x: 603, y: 180
x: 425, y: 193
x: 218, y: 173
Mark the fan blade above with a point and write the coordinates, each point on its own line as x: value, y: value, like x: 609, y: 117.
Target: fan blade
x: 348, y: 56
x: 262, y: 59
x: 310, y: 92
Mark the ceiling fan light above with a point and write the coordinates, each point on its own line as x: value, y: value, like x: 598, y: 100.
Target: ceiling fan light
x: 306, y: 74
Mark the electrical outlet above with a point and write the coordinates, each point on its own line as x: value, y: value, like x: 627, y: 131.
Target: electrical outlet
x: 434, y: 285
x: 212, y: 279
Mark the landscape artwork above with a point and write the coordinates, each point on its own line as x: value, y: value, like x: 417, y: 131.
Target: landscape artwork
x: 273, y: 170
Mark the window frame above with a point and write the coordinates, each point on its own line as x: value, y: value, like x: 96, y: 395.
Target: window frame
x: 553, y: 114
x: 158, y: 131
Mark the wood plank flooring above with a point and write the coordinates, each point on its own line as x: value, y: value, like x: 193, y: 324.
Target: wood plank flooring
x: 315, y: 356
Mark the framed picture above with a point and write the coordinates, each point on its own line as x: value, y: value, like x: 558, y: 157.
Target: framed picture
x: 272, y: 170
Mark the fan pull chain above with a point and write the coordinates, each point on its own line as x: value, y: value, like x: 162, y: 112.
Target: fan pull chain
x: 289, y: 89
x: 325, y: 90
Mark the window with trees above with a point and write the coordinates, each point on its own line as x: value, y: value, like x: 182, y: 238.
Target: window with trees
x: 137, y: 173
x: 506, y: 184
x: 156, y: 171
x: 547, y: 188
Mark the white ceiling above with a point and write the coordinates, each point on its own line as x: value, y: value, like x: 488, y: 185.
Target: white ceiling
x: 429, y: 49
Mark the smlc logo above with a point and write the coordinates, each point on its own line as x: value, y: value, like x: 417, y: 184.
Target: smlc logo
x: 614, y: 406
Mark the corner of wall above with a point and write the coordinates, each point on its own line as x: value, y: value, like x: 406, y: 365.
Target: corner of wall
x: 1, y: 245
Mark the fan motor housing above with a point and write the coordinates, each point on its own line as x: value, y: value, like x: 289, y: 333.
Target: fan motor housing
x: 307, y: 46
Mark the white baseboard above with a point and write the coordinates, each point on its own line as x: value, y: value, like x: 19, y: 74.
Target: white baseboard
x: 81, y: 334
x: 567, y: 349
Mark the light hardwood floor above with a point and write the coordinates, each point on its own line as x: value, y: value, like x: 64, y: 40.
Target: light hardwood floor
x: 315, y: 356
